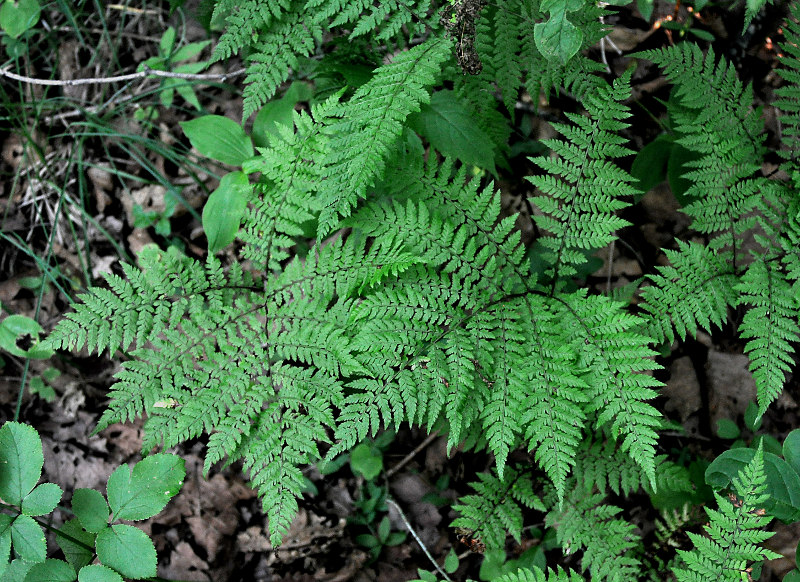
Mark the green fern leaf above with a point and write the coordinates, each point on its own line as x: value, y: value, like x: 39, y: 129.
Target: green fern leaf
x: 771, y: 326
x: 733, y: 532
x: 362, y: 139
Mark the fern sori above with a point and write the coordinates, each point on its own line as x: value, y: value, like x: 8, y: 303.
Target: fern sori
x: 733, y: 533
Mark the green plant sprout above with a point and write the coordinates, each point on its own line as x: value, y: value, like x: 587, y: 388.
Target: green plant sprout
x: 168, y: 59
x: 98, y: 547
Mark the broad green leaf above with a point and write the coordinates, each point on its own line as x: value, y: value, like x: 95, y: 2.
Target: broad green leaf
x: 21, y: 461
x: 452, y: 130
x: 219, y: 138
x: 190, y: 50
x: 27, y: 538
x: 366, y: 462
x: 223, y: 212
x: 278, y: 111
x: 16, y: 329
x: 451, y: 562
x: 557, y: 38
x: 677, y: 166
x: 78, y: 555
x: 51, y: 571
x: 143, y: 492
x: 98, y: 573
x: 727, y: 429
x: 645, y: 8
x: 791, y: 450
x: 783, y: 484
x: 17, y: 17
x: 91, y: 509
x: 42, y: 500
x: 650, y: 164
x: 127, y: 550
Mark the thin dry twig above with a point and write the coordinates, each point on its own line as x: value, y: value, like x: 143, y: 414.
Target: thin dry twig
x: 402, y: 515
x: 412, y: 454
x: 144, y: 74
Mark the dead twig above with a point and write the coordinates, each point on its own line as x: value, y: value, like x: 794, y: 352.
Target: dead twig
x: 144, y: 74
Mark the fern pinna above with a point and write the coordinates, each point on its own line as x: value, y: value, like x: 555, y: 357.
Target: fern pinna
x: 422, y: 306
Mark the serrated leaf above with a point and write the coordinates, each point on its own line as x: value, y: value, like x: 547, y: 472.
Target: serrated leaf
x: 21, y: 461
x: 28, y: 540
x: 127, y: 550
x: 451, y: 130
x: 219, y: 138
x: 223, y: 212
x: 51, y: 571
x: 91, y: 509
x: 17, y: 570
x: 143, y: 492
x: 42, y: 500
x: 98, y: 573
x: 5, y: 540
x: 78, y: 555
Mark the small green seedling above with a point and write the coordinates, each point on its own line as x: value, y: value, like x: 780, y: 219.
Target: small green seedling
x: 97, y: 547
x: 166, y: 60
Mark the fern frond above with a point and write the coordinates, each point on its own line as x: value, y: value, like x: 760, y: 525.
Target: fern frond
x: 584, y: 189
x: 136, y: 309
x: 788, y: 101
x: 284, y: 198
x: 770, y: 325
x: 537, y: 575
x: 615, y: 357
x: 361, y: 140
x: 277, y: 52
x: 583, y: 523
x: 607, y: 466
x: 695, y: 291
x: 734, y: 531
x: 718, y: 123
x: 496, y: 508
x: 554, y: 412
x: 244, y: 21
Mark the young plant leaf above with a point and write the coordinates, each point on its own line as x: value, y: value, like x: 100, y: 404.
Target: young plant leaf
x: 127, y: 550
x: 224, y: 210
x: 51, y: 571
x: 21, y: 461
x: 77, y: 555
x: 451, y: 129
x: 42, y: 500
x: 91, y: 509
x: 28, y: 540
x: 145, y: 491
x: 219, y: 138
x: 98, y: 573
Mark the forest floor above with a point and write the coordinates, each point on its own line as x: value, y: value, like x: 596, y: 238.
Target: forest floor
x: 215, y: 528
